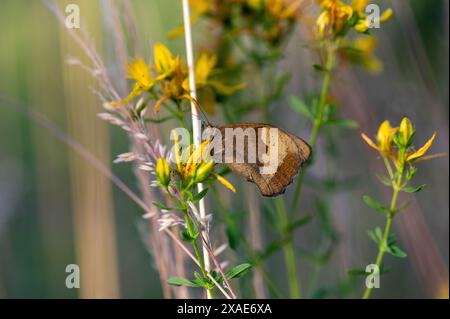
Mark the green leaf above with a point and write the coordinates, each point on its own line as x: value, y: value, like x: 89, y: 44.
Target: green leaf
x: 181, y: 281
x: 414, y: 189
x: 384, y: 270
x: 396, y: 251
x: 185, y: 236
x: 392, y: 240
x: 357, y: 272
x: 319, y: 68
x: 372, y: 203
x: 161, y: 205
x: 238, y: 271
x: 197, y: 197
x: 280, y: 85
x: 299, y: 106
x: 410, y: 173
x: 271, y: 248
x: 201, y: 281
x: 233, y: 235
x: 376, y: 235
x: 159, y: 120
x: 384, y: 179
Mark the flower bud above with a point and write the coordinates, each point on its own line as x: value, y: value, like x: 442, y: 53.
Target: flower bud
x: 163, y: 172
x: 203, y: 171
x: 406, y: 130
x: 384, y: 138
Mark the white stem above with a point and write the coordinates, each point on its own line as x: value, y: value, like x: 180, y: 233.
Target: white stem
x: 196, y: 123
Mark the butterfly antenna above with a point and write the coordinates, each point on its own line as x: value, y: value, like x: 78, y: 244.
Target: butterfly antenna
x: 200, y: 109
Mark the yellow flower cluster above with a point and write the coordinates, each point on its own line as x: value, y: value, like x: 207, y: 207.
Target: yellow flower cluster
x: 396, y: 143
x: 337, y: 16
x: 268, y: 20
x: 192, y: 166
x: 170, y: 79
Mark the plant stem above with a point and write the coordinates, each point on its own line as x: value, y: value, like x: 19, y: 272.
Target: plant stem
x: 294, y: 285
x: 256, y: 260
x: 387, y: 230
x: 288, y: 249
x: 331, y: 52
x: 196, y: 250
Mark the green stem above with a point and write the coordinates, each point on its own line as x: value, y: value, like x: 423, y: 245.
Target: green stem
x: 256, y: 260
x: 195, y: 246
x: 288, y: 249
x: 318, y: 121
x: 387, y: 229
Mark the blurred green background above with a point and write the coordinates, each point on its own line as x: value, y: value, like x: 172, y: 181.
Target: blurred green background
x: 56, y: 209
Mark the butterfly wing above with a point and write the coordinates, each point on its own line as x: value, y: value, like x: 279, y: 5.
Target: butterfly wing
x: 293, y: 152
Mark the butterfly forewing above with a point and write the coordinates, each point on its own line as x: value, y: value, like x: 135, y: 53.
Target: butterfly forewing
x: 290, y: 153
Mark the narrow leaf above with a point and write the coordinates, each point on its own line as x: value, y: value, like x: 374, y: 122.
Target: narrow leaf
x: 185, y: 236
x: 396, y: 251
x: 238, y: 271
x: 384, y: 179
x: 161, y: 205
x: 197, y: 197
x: 180, y: 281
x: 372, y: 203
x: 357, y: 272
x: 299, y: 106
x: 414, y: 189
x: 233, y: 235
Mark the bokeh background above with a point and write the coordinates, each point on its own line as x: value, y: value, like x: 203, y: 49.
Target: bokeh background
x: 57, y: 209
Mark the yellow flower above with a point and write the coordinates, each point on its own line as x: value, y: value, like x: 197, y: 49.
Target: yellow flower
x: 359, y: 5
x: 201, y: 7
x: 283, y: 9
x: 384, y: 139
x: 406, y: 130
x: 203, y: 68
x: 203, y: 171
x: 386, y: 15
x: 363, y: 24
x: 255, y: 4
x: 194, y: 164
x: 165, y: 63
x: 333, y: 17
x: 224, y: 182
x: 207, y: 87
x: 139, y: 72
x: 162, y: 172
x: 420, y: 152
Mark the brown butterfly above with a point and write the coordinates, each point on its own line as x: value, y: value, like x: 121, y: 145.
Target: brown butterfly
x: 289, y: 151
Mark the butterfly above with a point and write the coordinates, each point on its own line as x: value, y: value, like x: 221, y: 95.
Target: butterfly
x: 287, y: 151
